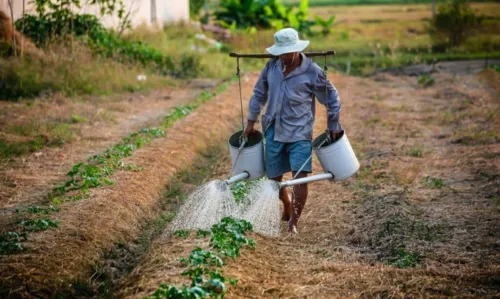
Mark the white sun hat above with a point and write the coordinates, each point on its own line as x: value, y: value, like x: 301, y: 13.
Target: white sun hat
x: 287, y: 41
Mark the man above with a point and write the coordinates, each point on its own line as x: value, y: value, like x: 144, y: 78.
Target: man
x: 288, y: 85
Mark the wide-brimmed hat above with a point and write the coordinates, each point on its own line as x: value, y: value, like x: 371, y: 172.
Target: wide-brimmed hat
x: 287, y: 41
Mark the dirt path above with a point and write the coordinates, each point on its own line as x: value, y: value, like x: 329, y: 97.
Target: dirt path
x: 421, y: 218
x: 27, y: 180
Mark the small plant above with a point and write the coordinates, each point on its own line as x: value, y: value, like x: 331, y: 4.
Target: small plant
x: 240, y: 190
x: 38, y: 210
x: 416, y: 151
x: 10, y: 242
x: 75, y: 118
x: 435, y: 183
x: 182, y: 233
x: 34, y: 225
x: 426, y: 80
x: 406, y: 259
x: 203, y: 265
x: 94, y: 174
x: 326, y: 25
x: 494, y: 199
x: 202, y: 233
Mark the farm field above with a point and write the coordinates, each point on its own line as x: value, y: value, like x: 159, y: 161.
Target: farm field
x: 428, y: 184
x: 89, y: 183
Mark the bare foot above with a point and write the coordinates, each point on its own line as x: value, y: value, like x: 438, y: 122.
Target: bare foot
x: 292, y: 226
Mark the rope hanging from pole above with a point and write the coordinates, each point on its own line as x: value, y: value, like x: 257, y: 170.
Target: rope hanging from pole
x: 241, y: 98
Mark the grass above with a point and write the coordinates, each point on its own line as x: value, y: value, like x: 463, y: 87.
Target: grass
x: 359, y: 2
x: 406, y: 259
x: 71, y: 71
x: 433, y: 183
x: 416, y: 151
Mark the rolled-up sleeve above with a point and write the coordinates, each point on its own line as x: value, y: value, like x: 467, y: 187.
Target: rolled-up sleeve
x: 330, y: 98
x: 259, y: 98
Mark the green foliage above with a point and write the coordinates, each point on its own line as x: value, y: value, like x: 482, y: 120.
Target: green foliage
x: 406, y: 259
x: 8, y: 149
x: 38, y: 210
x: 426, y: 80
x: 263, y: 14
x: 10, y: 242
x: 99, y: 167
x: 202, y: 233
x: 34, y: 225
x: 454, y: 22
x: 203, y: 266
x: 416, y: 151
x: 182, y: 233
x: 75, y: 118
x: 180, y: 112
x: 44, y: 27
x: 435, y: 183
x: 326, y: 25
x: 194, y: 7
x: 240, y: 189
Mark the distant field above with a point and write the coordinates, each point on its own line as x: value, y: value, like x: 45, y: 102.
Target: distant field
x: 361, y: 2
x: 403, y: 12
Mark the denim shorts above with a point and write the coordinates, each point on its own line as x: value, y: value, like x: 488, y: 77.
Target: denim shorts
x: 285, y: 157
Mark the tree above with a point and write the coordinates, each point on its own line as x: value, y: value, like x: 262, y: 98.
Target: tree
x: 453, y: 22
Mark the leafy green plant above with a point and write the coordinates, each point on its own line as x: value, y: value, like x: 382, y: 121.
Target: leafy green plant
x: 202, y: 233
x: 182, y: 233
x: 263, y: 14
x: 326, y: 25
x: 240, y: 189
x: 75, y: 118
x: 194, y: 7
x: 38, y: 210
x: 94, y: 174
x: 416, y: 151
x: 34, y: 225
x: 203, y: 265
x: 454, y: 22
x: 406, y: 259
x: 10, y: 242
x: 426, y: 80
x: 435, y: 183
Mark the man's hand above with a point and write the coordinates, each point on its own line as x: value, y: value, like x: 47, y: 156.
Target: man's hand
x: 250, y: 128
x: 335, y: 134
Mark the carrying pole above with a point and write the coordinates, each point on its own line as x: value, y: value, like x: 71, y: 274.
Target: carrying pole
x: 308, y: 54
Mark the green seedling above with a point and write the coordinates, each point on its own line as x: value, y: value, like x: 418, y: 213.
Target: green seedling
x: 406, y: 259
x: 182, y: 233
x: 34, y: 225
x: 10, y: 242
x: 38, y: 210
x: 435, y: 183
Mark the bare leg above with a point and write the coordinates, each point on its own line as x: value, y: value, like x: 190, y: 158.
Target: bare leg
x: 299, y: 201
x: 287, y: 204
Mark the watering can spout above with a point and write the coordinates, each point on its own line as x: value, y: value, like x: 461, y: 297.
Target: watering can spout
x: 314, y: 178
x: 238, y: 177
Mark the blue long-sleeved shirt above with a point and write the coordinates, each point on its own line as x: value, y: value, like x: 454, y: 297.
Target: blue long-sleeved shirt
x: 290, y: 101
